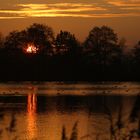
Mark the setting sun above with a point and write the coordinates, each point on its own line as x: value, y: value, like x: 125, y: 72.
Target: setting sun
x: 31, y: 48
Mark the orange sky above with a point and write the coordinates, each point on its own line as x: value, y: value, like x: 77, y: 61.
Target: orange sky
x: 78, y: 17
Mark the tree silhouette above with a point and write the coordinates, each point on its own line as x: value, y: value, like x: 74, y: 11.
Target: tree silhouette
x: 102, y: 45
x: 1, y: 41
x: 15, y: 41
x: 41, y: 36
x: 66, y: 43
x: 100, y: 57
x: 136, y: 53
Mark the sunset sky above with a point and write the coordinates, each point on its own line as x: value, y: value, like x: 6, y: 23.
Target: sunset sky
x: 76, y: 16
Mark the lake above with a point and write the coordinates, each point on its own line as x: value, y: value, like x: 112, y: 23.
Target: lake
x: 69, y: 111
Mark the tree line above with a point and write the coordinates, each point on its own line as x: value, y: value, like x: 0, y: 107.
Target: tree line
x: 35, y: 53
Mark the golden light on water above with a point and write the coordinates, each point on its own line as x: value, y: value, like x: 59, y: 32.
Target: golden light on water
x: 32, y: 99
x: 31, y: 109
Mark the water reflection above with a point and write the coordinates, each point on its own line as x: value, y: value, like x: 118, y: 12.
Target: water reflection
x: 31, y: 116
x: 32, y: 104
x: 99, y: 116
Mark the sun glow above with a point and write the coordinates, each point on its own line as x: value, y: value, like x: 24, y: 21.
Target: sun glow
x: 31, y: 48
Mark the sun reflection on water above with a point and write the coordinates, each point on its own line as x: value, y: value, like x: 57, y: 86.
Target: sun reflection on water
x: 31, y: 110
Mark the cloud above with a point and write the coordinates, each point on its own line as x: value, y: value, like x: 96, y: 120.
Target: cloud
x: 52, y: 10
x: 125, y: 7
x: 11, y: 17
x: 102, y: 9
x: 128, y: 3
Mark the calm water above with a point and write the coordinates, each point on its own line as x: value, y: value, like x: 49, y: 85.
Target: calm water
x: 39, y: 111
